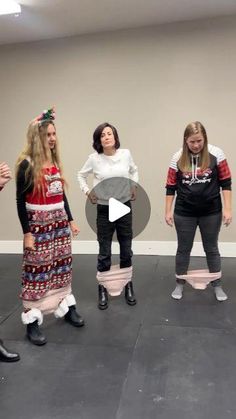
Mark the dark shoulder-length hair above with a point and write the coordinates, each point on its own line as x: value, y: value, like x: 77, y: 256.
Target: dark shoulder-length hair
x: 184, y: 161
x: 97, y: 137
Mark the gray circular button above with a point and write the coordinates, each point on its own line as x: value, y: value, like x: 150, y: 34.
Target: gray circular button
x: 115, y: 192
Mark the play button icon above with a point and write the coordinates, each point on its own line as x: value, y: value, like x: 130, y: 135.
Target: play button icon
x: 112, y: 194
x: 117, y: 210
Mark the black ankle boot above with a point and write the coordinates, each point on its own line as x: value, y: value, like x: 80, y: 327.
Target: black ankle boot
x: 35, y: 335
x: 74, y: 318
x: 129, y: 294
x: 6, y: 356
x: 102, y: 297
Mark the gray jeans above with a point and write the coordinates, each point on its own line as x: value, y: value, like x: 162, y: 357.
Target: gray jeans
x: 209, y: 227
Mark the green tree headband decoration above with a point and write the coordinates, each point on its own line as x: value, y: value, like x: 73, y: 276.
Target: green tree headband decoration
x: 47, y: 115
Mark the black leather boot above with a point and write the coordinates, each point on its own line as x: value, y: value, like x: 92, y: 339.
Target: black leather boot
x: 35, y: 335
x: 6, y: 356
x: 129, y: 294
x: 102, y: 297
x: 73, y: 317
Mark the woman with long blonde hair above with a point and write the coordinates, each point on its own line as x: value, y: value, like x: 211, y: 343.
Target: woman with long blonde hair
x: 47, y: 225
x: 198, y: 175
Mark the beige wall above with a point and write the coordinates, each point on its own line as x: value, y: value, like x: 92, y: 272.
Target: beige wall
x: 149, y: 83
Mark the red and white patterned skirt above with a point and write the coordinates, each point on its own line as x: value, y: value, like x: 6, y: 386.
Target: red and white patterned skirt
x: 49, y: 266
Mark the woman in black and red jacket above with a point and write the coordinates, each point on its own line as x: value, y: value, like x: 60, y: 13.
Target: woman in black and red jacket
x: 198, y: 174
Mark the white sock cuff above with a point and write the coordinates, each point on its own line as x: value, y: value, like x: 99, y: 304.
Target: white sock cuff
x: 62, y: 309
x: 70, y: 299
x: 64, y: 305
x: 32, y: 315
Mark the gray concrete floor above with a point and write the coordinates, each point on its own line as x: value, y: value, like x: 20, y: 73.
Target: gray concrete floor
x: 159, y: 359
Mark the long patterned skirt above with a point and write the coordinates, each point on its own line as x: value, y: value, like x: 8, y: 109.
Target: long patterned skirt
x: 47, y: 270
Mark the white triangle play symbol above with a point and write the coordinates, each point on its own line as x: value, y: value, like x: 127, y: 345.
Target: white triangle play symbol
x: 117, y: 209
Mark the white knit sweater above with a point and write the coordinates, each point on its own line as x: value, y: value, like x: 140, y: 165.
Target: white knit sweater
x: 119, y: 165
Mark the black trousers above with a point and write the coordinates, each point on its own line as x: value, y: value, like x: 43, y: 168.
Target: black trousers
x: 209, y: 227
x: 105, y: 231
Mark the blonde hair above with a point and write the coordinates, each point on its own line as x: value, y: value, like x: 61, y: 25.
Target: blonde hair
x: 184, y: 161
x: 37, y: 152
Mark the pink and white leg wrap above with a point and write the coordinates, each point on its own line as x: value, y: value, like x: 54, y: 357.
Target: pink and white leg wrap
x: 115, y: 279
x: 199, y: 279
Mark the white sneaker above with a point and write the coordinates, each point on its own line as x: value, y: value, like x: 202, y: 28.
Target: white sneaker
x: 220, y: 294
x: 177, y: 294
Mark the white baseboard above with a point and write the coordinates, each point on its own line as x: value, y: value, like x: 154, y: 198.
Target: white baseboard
x: 162, y: 248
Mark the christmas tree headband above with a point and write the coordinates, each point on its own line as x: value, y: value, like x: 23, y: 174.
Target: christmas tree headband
x: 47, y: 115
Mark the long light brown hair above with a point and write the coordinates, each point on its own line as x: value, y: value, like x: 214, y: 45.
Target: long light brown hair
x: 184, y: 163
x: 37, y: 152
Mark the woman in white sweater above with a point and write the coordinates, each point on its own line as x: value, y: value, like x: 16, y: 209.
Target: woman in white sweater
x: 111, y: 162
